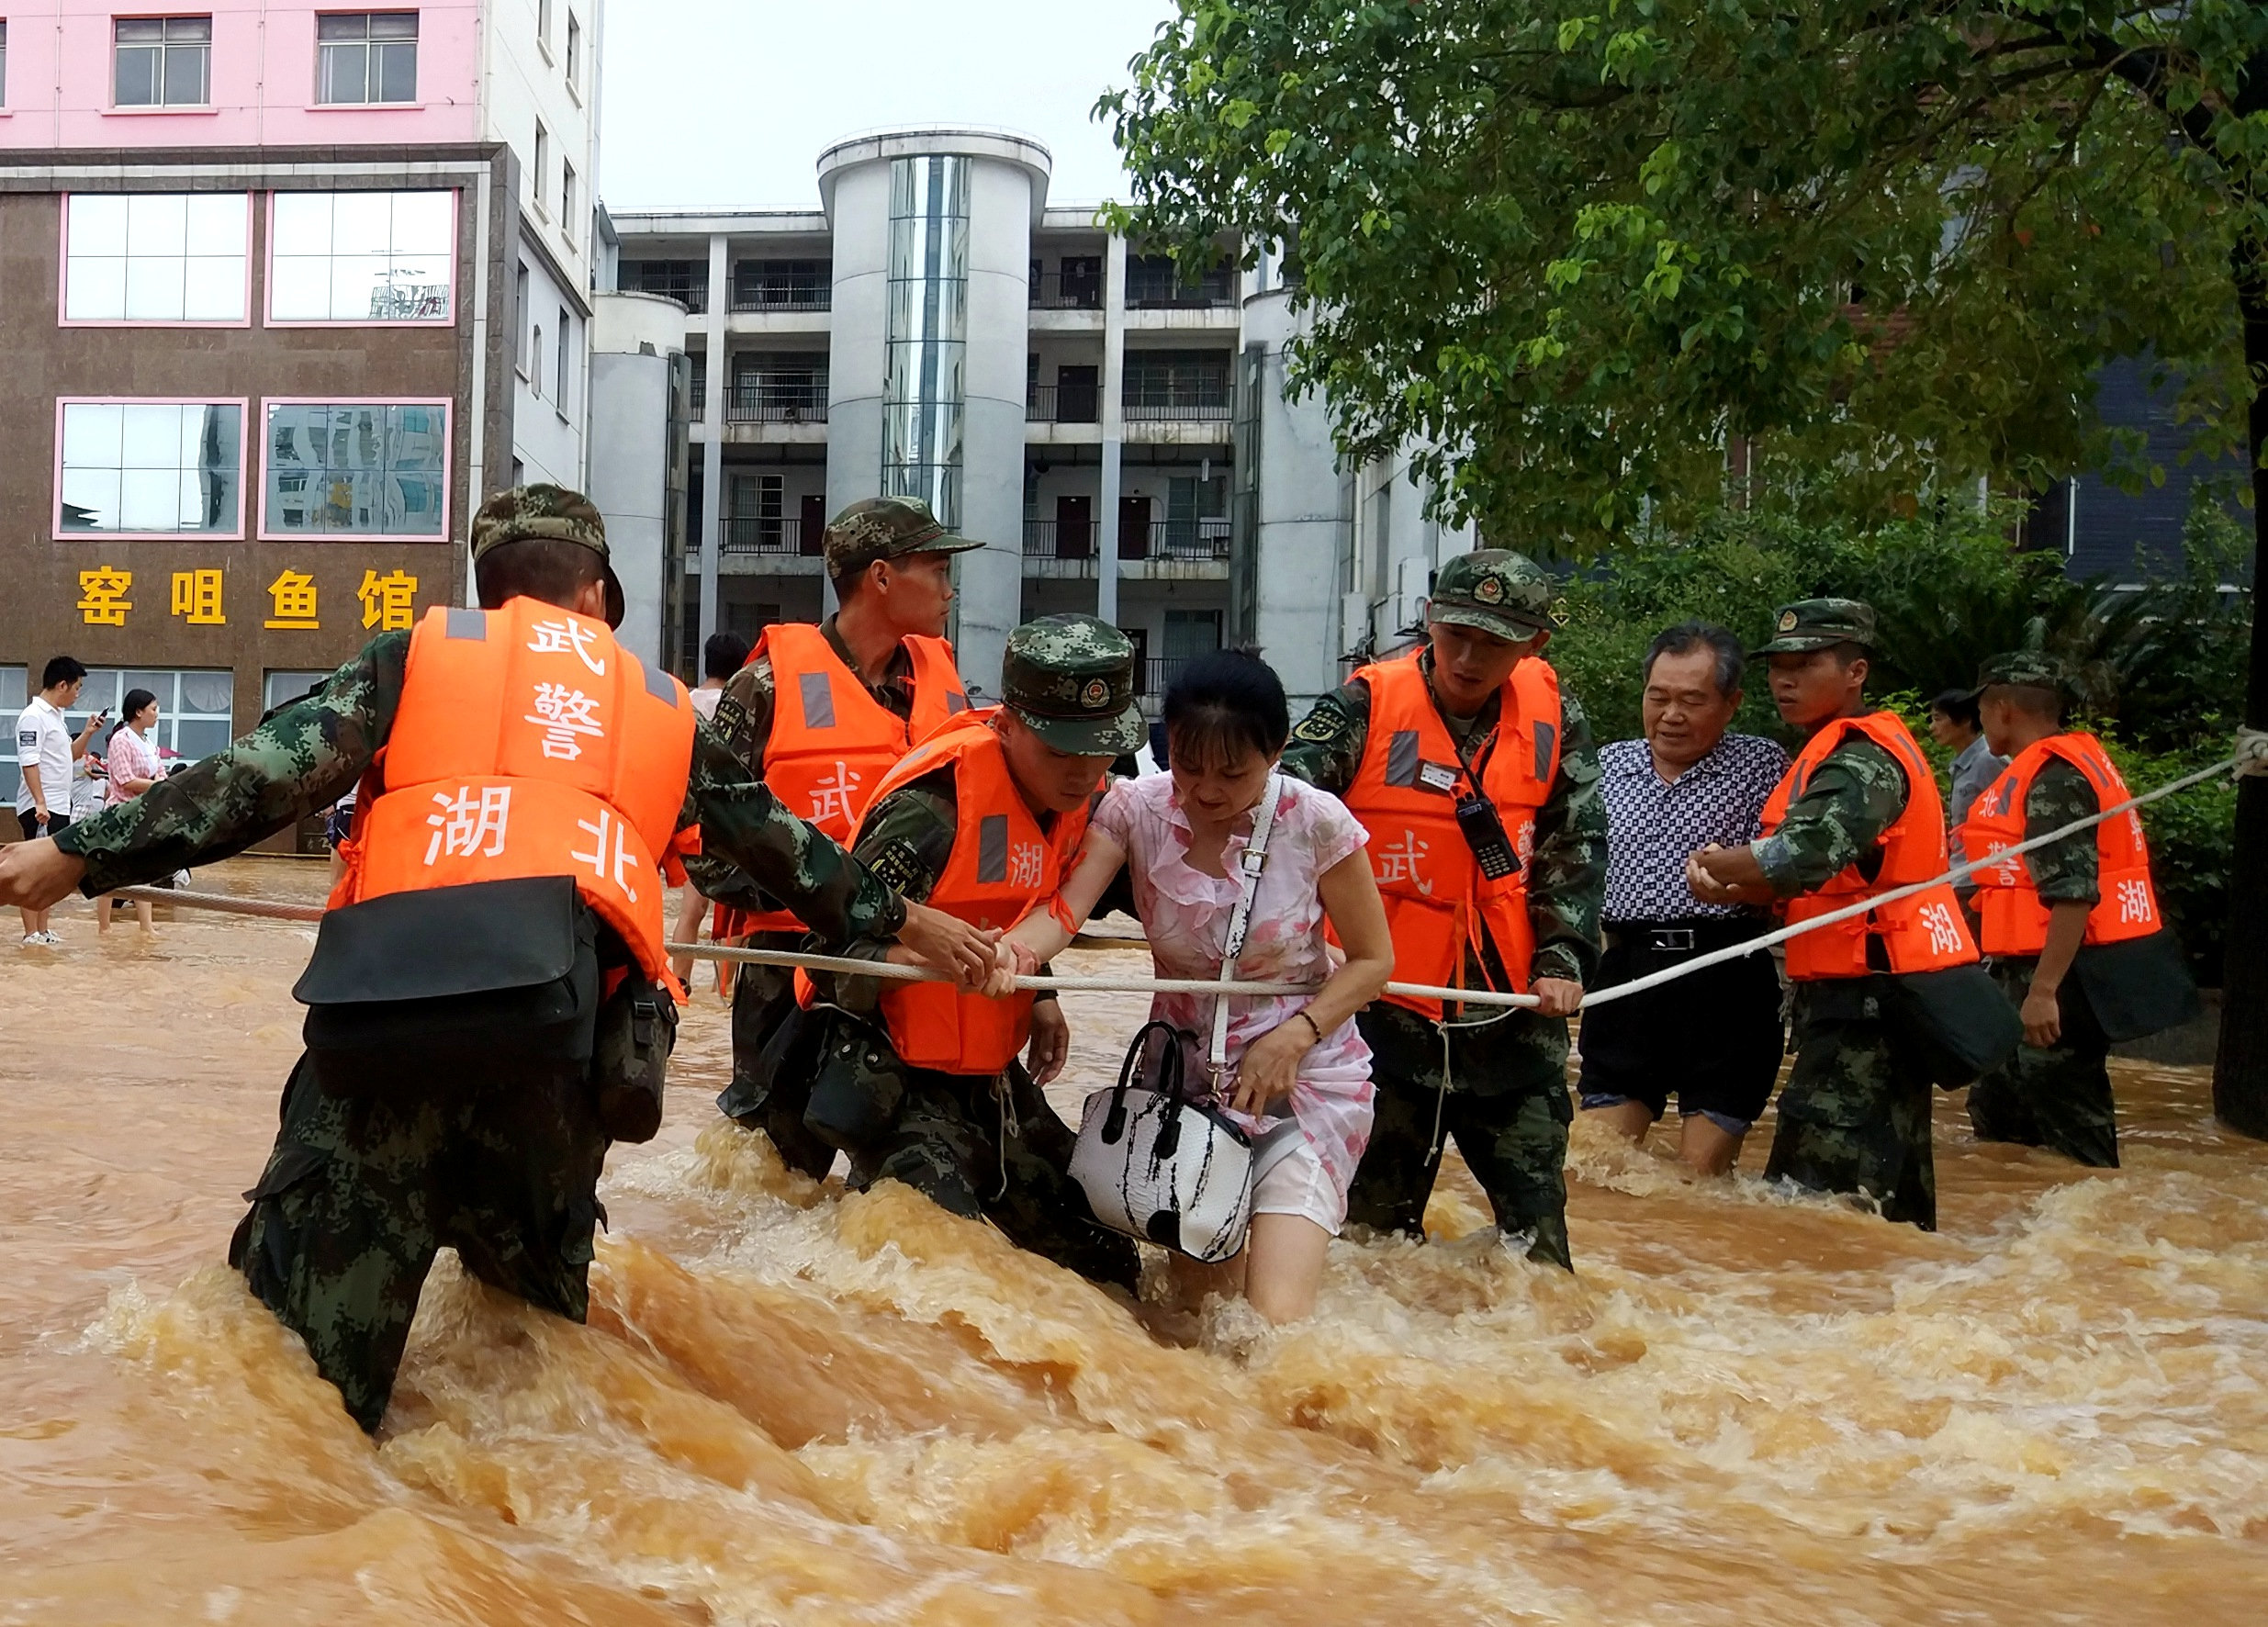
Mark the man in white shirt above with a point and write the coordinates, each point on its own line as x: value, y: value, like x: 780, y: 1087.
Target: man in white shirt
x: 45, y: 749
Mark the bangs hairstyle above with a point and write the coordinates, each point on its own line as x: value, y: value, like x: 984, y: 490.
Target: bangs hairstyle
x: 1222, y: 706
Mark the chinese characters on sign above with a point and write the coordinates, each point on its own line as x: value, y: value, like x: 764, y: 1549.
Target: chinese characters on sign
x: 196, y: 597
x: 294, y: 592
x: 388, y: 601
x: 102, y: 596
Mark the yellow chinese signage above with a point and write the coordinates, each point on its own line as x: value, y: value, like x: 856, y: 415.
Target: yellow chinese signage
x: 388, y: 602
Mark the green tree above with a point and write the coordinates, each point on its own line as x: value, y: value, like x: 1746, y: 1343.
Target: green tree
x: 1569, y: 249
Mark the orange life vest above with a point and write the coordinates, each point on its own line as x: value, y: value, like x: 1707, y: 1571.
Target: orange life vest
x: 1002, y: 865
x: 1405, y: 793
x: 2015, y: 922
x: 1924, y: 933
x: 832, y: 742
x: 528, y: 743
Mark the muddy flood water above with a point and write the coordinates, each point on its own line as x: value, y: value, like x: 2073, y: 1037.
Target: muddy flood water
x: 795, y: 1406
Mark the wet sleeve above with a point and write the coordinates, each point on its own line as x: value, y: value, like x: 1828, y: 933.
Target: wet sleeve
x: 1567, y: 870
x: 2067, y: 871
x: 745, y: 825
x: 1852, y: 799
x: 906, y: 840
x: 744, y: 714
x: 301, y: 759
x: 1326, y: 749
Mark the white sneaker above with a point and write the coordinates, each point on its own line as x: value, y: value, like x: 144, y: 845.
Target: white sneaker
x: 40, y: 941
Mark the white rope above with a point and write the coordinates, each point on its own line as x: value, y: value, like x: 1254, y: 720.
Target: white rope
x: 273, y: 909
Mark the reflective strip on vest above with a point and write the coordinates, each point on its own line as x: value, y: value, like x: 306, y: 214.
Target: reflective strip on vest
x: 1405, y: 793
x: 1002, y: 865
x: 2015, y: 921
x: 1924, y: 933
x: 832, y: 742
x: 529, y: 743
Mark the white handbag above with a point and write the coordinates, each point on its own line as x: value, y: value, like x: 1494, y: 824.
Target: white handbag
x: 1153, y: 1164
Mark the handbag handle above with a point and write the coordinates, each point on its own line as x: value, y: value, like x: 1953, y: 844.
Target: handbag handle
x: 1169, y: 1080
x: 1250, y: 864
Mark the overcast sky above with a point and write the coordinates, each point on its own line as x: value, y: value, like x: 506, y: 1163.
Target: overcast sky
x: 728, y: 103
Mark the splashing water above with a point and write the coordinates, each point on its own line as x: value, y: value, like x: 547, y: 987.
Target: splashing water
x: 794, y: 1406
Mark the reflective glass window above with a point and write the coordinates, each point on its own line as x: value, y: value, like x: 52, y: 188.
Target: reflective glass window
x: 367, y: 56
x: 195, y: 706
x: 925, y: 332
x: 356, y: 469
x: 151, y: 468
x: 362, y: 257
x: 3, y: 61
x: 281, y: 688
x: 162, y: 62
x: 155, y: 256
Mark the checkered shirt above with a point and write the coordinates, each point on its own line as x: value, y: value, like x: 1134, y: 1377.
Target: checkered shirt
x: 1653, y: 825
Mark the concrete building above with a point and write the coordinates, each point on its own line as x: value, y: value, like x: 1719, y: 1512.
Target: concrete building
x: 283, y: 291
x: 1118, y: 438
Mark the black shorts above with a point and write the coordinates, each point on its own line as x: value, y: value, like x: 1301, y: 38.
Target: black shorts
x: 56, y: 825
x: 1714, y: 1039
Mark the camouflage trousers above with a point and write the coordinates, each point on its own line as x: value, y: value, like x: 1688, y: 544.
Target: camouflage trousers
x: 360, y: 1192
x: 773, y: 1063
x: 998, y: 1155
x: 1507, y: 1108
x: 1854, y: 1115
x: 2060, y: 1096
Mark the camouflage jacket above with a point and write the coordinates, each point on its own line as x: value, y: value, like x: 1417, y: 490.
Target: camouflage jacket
x: 310, y: 754
x: 744, y: 717
x: 1566, y: 875
x: 2065, y: 871
x: 1850, y: 800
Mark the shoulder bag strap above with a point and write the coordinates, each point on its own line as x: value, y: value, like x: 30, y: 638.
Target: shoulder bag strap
x: 1253, y: 859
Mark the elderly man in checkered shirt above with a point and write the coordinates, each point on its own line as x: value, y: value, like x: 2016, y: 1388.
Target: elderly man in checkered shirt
x: 1714, y: 1038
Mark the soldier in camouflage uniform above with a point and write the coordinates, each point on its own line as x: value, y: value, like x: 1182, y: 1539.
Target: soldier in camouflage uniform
x: 2063, y: 921
x: 360, y: 1191
x: 1854, y: 1117
x: 1496, y: 1083
x: 982, y: 1146
x: 772, y: 1052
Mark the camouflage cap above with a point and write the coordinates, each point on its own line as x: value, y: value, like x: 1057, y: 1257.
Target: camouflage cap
x: 886, y: 528
x: 1496, y: 592
x: 1819, y: 623
x: 1071, y: 680
x: 526, y: 513
x: 2030, y: 669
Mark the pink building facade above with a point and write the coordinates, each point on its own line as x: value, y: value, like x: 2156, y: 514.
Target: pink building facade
x: 262, y: 82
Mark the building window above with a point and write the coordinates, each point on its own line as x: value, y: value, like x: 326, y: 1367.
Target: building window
x: 520, y: 305
x: 535, y: 361
x: 685, y: 281
x: 281, y: 688
x: 542, y: 166
x: 543, y: 25
x: 3, y: 61
x: 162, y: 62
x: 925, y: 332
x: 566, y: 198
x: 362, y: 257
x: 196, y: 709
x: 156, y: 256
x: 150, y: 468
x: 356, y: 469
x: 1171, y: 383
x: 367, y: 56
x: 787, y: 386
x: 575, y: 53
x: 559, y: 389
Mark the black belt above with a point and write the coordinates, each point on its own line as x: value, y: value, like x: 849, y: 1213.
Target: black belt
x: 1693, y: 935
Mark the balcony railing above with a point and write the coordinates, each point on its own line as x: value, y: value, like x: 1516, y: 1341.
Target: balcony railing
x: 1156, y: 285
x: 766, y: 533
x: 1186, y: 542
x: 1059, y: 548
x: 1080, y: 291
x: 789, y: 397
x: 1062, y: 403
x: 784, y: 297
x: 1199, y: 406
x: 1158, y: 674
